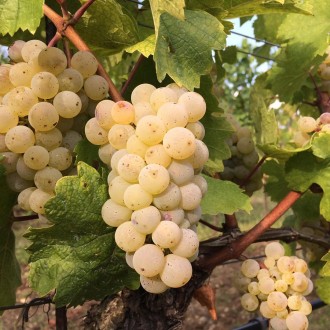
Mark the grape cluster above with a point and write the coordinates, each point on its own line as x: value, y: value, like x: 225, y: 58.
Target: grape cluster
x: 244, y: 158
x: 154, y: 149
x: 278, y: 289
x: 308, y: 125
x: 43, y: 105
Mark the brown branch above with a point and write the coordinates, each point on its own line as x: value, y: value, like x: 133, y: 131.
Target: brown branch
x: 73, y: 36
x: 207, y: 224
x: 132, y: 74
x: 55, y: 40
x: 235, y: 249
x: 25, y: 218
x: 64, y: 9
x: 75, y: 18
x: 67, y: 51
x: 230, y: 222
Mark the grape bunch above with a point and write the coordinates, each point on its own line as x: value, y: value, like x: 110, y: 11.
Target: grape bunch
x: 244, y: 158
x: 154, y: 149
x: 278, y: 289
x: 308, y: 125
x: 43, y: 105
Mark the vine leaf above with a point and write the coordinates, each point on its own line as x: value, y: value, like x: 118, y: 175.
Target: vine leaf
x: 86, y: 152
x: 146, y: 47
x: 23, y: 14
x: 10, y: 273
x: 323, y: 283
x: 217, y: 128
x: 321, y: 145
x: 301, y: 54
x: 224, y: 197
x: 186, y: 58
x: 113, y: 34
x: 78, y: 255
x: 263, y: 117
x: 304, y: 169
x: 173, y: 7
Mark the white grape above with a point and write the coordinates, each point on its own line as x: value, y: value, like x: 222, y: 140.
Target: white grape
x: 19, y: 138
x: 277, y: 301
x: 162, y: 95
x: 36, y: 157
x: 197, y: 128
x: 47, y: 178
x: 15, y: 51
x: 157, y: 155
x: 194, y: 215
x: 21, y: 74
x: 119, y: 134
x: 49, y: 139
x: 115, y: 214
x: 5, y: 84
x: 23, y: 198
x: 129, y: 167
x: 45, y: 85
x: 266, y: 285
x: 103, y: 114
x: 9, y: 161
x: 195, y: 105
x: 306, y: 307
x: 253, y: 288
x: 135, y: 197
x: 188, y: 244
x: 127, y: 238
x: 153, y: 284
x: 307, y: 124
x: 53, y: 60
x: 179, y: 143
x: 250, y: 268
x: 60, y: 158
x: 191, y: 196
x: 23, y: 170
x: 96, y: 87
x: 95, y: 133
x: 181, y: 172
x: 150, y: 130
x: 70, y: 80
x: 8, y: 119
x: 67, y: 104
x: 17, y: 183
x: 169, y: 199
x: 31, y: 49
x: 153, y: 178
x: 141, y: 110
x: 136, y: 146
x: 105, y: 153
x: 141, y: 93
x: 173, y: 115
x: 176, y: 215
x: 167, y: 234
x: 176, y: 272
x: 43, y: 116
x: 71, y: 139
x: 300, y: 282
x: 122, y: 112
x: 285, y: 264
x: 148, y: 260
x: 116, y: 157
x: 274, y: 250
x: 20, y: 100
x: 84, y: 62
x: 266, y: 311
x: 277, y: 323
x: 297, y: 321
x: 146, y: 220
x: 117, y: 188
x: 38, y: 199
x: 249, y: 302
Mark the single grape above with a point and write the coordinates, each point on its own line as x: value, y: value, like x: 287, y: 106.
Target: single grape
x: 23, y: 198
x: 38, y: 199
x: 169, y: 199
x: 127, y: 238
x: 43, y: 116
x: 153, y: 284
x: 157, y: 155
x: 188, y: 244
x: 95, y: 134
x: 249, y: 302
x: 84, y: 62
x: 150, y: 130
x: 136, y: 198
x: 250, y: 268
x: 274, y: 250
x: 67, y: 103
x: 122, y: 112
x: 15, y: 51
x: 129, y: 167
x: 297, y: 321
x: 115, y: 214
x: 60, y: 158
x: 167, y: 234
x: 8, y: 119
x: 195, y: 105
x: 161, y: 96
x: 52, y: 59
x: 19, y: 138
x: 45, y: 85
x: 36, y: 157
x: 96, y: 87
x: 146, y: 220
x: 31, y: 49
x: 70, y: 80
x: 277, y: 301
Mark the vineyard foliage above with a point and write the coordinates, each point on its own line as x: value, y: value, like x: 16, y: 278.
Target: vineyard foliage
x: 184, y: 42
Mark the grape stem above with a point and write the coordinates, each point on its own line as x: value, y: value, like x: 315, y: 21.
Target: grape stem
x: 75, y: 18
x: 253, y: 171
x: 235, y: 248
x: 132, y: 74
x: 73, y: 36
x: 207, y: 224
x: 25, y: 218
x: 230, y: 222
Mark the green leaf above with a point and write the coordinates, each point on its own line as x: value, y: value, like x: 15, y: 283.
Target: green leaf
x: 78, y: 255
x: 305, y: 50
x: 276, y: 187
x: 183, y: 48
x: 22, y: 14
x: 10, y: 271
x: 217, y: 128
x: 303, y: 170
x: 240, y: 8
x: 224, y: 197
x: 323, y: 288
x: 321, y: 145
x: 108, y: 25
x: 173, y: 7
x: 262, y: 116
x: 86, y: 152
x: 280, y: 153
x: 145, y: 47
